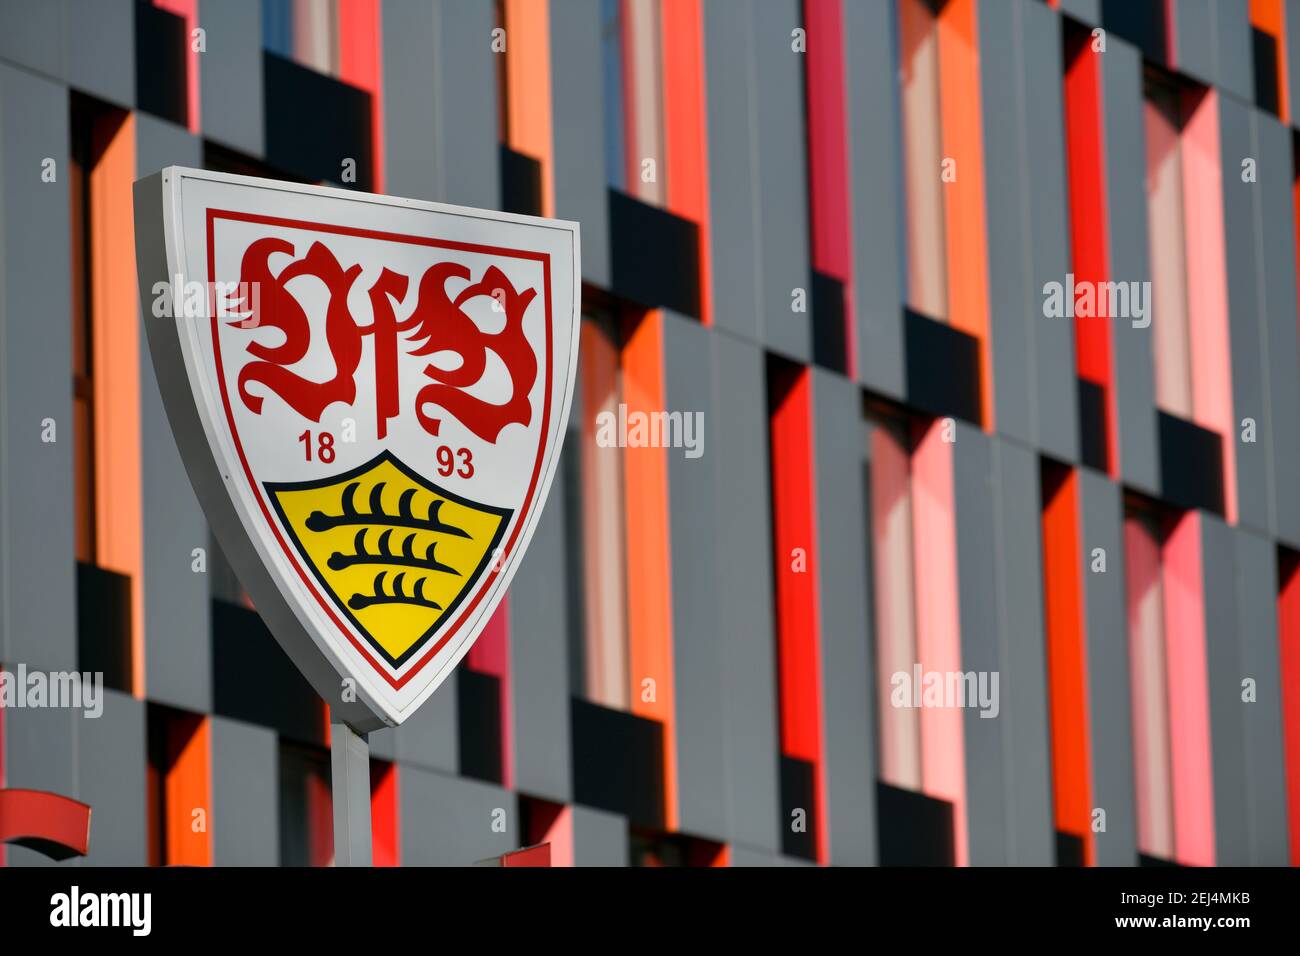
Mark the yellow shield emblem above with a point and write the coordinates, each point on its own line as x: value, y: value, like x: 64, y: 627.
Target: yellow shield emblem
x: 395, y: 552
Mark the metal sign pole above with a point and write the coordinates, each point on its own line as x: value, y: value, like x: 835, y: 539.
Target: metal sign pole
x: 350, y: 771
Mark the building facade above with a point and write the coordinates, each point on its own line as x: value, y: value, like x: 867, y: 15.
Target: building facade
x: 932, y: 488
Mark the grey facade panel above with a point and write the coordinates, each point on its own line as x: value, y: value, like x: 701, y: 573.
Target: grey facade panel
x: 1277, y: 255
x: 411, y: 97
x: 577, y: 118
x: 1087, y: 11
x: 1234, y: 57
x: 230, y: 75
x: 1056, y: 418
x: 1006, y: 201
x: 99, y: 48
x: 538, y: 664
x: 733, y: 229
x: 469, y: 821
x: 1023, y: 712
x: 31, y: 36
x: 1240, y: 229
x: 848, y: 666
x: 430, y: 737
x: 111, y: 771
x: 244, y: 818
x: 177, y: 632
x: 781, y: 194
x: 37, y: 583
x: 1265, y: 771
x: 599, y: 838
x: 1106, y: 650
x: 440, y: 108
x: 697, y: 651
x: 742, y: 525
x: 1194, y: 38
x: 985, y: 754
x: 1131, y: 350
x: 871, y: 88
x: 1223, y: 652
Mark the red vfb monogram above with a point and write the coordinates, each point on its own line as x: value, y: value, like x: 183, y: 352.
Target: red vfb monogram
x: 437, y: 324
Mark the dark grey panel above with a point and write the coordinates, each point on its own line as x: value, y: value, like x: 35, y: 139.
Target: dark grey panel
x: 1194, y: 38
x: 244, y: 819
x: 1056, y: 419
x: 1240, y: 229
x: 99, y: 48
x: 870, y: 78
x: 111, y: 778
x: 697, y: 651
x: 577, y: 118
x: 1276, y: 248
x: 230, y: 75
x: 848, y: 667
x: 1087, y: 11
x: 177, y: 631
x: 733, y: 225
x: 599, y: 838
x: 781, y: 194
x: 986, y: 756
x: 465, y: 821
x: 1223, y: 653
x: 37, y: 584
x: 1125, y: 161
x: 1023, y: 715
x: 1109, y: 708
x: 1265, y: 771
x: 539, y: 659
x: 742, y: 525
x: 1235, y: 58
x: 31, y: 36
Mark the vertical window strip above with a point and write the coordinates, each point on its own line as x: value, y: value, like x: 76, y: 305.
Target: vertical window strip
x: 1189, y: 710
x: 1144, y: 601
x: 798, y: 622
x: 965, y: 225
x: 686, y: 134
x: 604, y: 545
x: 828, y: 156
x: 1089, y: 221
x: 938, y: 622
x: 922, y: 150
x: 892, y: 568
x: 1172, y: 345
x: 643, y: 95
x: 1207, y: 280
x: 1067, y: 667
x: 115, y: 331
x: 1288, y: 617
x: 528, y: 81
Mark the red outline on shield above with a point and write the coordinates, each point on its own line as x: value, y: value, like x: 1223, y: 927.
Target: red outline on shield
x: 524, y: 512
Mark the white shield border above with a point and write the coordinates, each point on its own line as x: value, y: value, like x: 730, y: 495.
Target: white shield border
x: 160, y: 256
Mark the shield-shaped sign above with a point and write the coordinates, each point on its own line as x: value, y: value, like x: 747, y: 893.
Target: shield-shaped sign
x: 369, y: 395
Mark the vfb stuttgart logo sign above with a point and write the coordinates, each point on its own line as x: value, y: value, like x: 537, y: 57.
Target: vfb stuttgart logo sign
x: 369, y: 396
